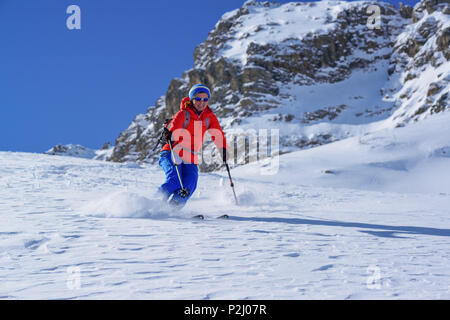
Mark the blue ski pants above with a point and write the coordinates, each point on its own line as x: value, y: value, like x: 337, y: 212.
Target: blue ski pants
x: 189, y: 177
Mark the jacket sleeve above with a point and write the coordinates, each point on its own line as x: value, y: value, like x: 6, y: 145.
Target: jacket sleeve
x: 177, y: 121
x: 217, y: 133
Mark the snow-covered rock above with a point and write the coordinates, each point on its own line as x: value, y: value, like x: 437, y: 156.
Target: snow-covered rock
x: 420, y: 66
x: 72, y: 150
x: 78, y: 151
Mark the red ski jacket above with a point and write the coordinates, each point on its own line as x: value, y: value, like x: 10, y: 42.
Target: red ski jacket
x: 188, y: 130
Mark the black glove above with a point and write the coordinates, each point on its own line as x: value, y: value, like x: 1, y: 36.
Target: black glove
x: 166, y: 134
x: 224, y: 155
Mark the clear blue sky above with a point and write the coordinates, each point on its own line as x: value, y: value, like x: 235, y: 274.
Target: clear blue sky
x: 85, y: 86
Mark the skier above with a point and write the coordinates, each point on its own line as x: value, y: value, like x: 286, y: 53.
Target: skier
x: 184, y: 135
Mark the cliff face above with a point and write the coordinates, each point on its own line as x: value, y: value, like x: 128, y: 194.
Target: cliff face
x: 316, y: 72
x: 420, y: 63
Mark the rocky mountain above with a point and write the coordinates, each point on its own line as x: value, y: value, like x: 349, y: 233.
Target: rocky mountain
x: 307, y: 74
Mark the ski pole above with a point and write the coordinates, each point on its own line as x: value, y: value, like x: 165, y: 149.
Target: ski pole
x: 183, y: 192
x: 160, y: 140
x: 156, y: 145
x: 231, y: 182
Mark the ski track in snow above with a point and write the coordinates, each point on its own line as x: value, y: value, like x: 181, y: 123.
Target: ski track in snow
x: 285, y: 242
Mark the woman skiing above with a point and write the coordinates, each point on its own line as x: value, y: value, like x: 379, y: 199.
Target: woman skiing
x: 184, y: 135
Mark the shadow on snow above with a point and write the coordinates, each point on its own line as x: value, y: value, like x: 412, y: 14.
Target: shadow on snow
x: 377, y: 229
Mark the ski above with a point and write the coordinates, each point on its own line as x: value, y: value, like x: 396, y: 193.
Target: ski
x: 202, y: 217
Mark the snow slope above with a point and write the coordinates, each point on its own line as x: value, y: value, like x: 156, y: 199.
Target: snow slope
x: 374, y: 227
x: 415, y: 158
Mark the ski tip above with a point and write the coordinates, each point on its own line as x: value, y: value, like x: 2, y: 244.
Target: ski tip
x: 202, y: 217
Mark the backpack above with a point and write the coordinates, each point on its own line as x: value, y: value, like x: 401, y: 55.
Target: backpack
x: 187, y: 120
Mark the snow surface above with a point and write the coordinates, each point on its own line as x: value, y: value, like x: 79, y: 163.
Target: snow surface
x: 361, y: 218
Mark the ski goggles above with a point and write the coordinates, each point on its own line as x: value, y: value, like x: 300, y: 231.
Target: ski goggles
x: 200, y: 99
